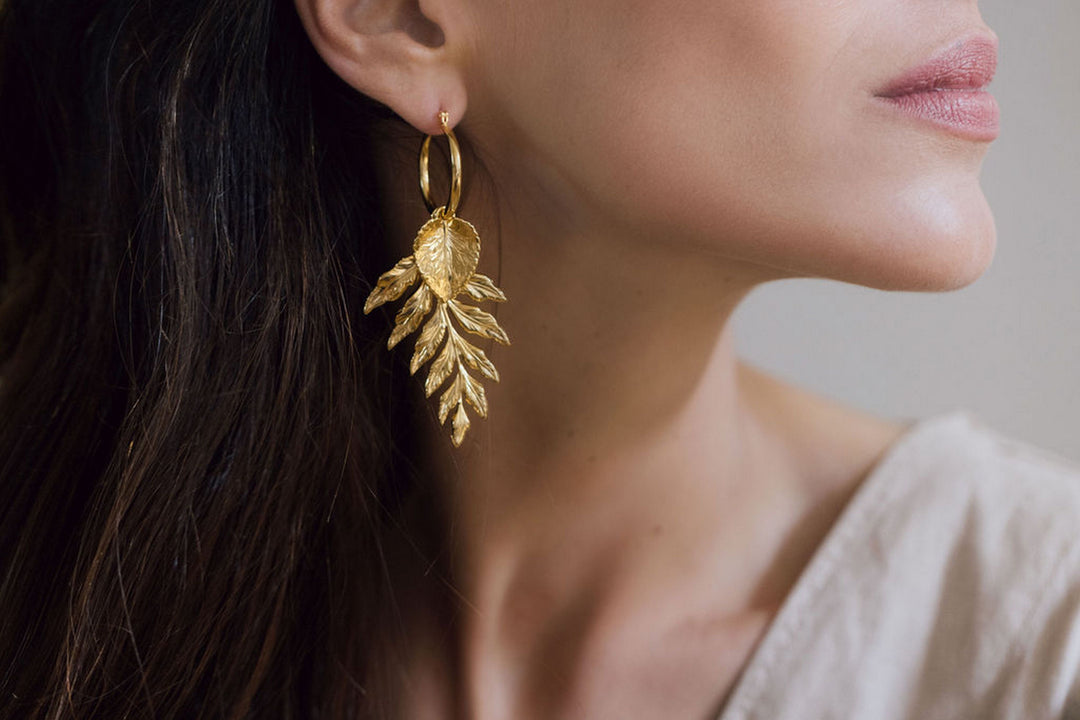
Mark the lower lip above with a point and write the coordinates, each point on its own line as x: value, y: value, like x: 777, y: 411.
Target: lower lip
x: 971, y: 114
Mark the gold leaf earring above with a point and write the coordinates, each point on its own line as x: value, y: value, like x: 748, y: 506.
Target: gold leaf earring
x: 446, y: 252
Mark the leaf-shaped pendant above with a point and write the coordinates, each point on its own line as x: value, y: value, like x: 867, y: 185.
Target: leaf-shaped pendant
x: 446, y: 252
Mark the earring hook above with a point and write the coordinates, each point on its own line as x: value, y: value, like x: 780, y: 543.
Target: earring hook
x: 455, y: 169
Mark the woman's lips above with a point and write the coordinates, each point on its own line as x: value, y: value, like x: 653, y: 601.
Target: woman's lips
x: 948, y: 90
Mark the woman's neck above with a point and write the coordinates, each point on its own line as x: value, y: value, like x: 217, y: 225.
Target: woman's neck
x: 630, y: 467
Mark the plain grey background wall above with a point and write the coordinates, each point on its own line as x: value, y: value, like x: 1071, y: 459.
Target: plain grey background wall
x: 1006, y: 348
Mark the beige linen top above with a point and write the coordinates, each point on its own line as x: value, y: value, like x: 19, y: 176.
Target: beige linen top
x: 949, y: 587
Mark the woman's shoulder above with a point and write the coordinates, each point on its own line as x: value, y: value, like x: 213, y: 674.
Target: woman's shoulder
x: 985, y: 525
x: 949, y: 587
x: 958, y: 454
x: 1008, y: 508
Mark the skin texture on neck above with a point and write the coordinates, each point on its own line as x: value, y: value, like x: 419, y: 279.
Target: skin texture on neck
x: 636, y: 493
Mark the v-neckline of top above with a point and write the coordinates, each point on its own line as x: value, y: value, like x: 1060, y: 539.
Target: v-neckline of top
x: 865, y: 504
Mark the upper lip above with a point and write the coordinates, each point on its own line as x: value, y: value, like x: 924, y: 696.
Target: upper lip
x: 965, y: 64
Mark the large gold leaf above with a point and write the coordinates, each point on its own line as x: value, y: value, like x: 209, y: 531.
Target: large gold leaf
x: 411, y: 315
x: 430, y: 337
x: 480, y: 287
x: 393, y: 283
x: 461, y: 424
x: 478, y: 322
x: 447, y: 250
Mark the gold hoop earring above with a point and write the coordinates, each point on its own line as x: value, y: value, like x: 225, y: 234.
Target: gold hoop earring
x: 446, y: 252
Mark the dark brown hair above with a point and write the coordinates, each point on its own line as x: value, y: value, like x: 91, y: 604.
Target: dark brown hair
x: 203, y: 445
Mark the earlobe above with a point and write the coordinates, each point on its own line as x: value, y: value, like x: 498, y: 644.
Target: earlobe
x: 393, y: 52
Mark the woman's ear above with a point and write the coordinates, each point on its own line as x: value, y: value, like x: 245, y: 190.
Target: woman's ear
x: 402, y: 53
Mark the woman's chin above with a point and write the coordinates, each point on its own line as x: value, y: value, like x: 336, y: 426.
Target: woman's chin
x: 934, y: 242
x: 956, y: 247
